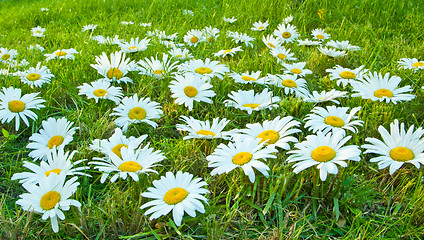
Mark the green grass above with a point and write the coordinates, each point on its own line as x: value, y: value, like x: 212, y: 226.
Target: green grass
x: 361, y: 202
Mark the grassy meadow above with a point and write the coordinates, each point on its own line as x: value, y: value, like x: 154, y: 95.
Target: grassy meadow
x: 360, y: 202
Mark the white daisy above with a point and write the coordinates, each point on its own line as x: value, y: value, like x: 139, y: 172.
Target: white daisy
x: 346, y: 75
x: 259, y: 26
x: 210, y: 34
x: 58, y: 162
x: 282, y: 55
x: 107, y: 40
x: 375, y: 86
x: 241, y: 38
x: 44, y: 9
x: 156, y: 68
x: 188, y: 12
x: 101, y: 90
x: 115, y: 69
x: 275, y: 133
x: 135, y: 45
x: 15, y: 106
x: 205, y: 69
x: 286, y: 33
x: 180, y: 193
x: 343, y: 45
x: 204, y: 129
x: 325, y: 151
x: 324, y: 96
x: 320, y: 34
x: 188, y: 88
x: 290, y: 83
x: 193, y: 37
x: 229, y: 20
x: 55, y: 133
x: 249, y: 101
x: 308, y: 42
x: 36, y: 47
x: 89, y: 27
x: 127, y: 23
x: 288, y: 19
x: 132, y: 162
x: 332, y: 119
x: 228, y: 52
x: 247, y: 78
x: 297, y: 69
x: 180, y: 53
x: 171, y: 44
x: 61, y: 54
x: 133, y: 110
x: 271, y: 42
x: 245, y: 154
x: 145, y: 24
x: 38, y: 31
x: 36, y: 76
x: 50, y: 197
x: 331, y: 52
x: 411, y: 63
x: 7, y: 55
x: 399, y: 147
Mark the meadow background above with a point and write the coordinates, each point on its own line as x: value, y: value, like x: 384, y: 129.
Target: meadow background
x: 361, y: 202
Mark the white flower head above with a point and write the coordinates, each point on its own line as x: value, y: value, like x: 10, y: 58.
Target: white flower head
x: 114, y: 69
x: 249, y: 101
x: 204, y: 129
x: 101, y: 89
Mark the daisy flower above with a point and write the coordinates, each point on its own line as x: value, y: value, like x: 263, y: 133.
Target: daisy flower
x: 205, y: 69
x: 375, y: 86
x: 133, y: 110
x: 245, y: 154
x: 259, y: 26
x: 249, y: 101
x: 55, y: 133
x: 114, y: 69
x: 127, y: 23
x: 229, y: 52
x: 308, y: 42
x: 36, y: 76
x: 399, y: 147
x: 343, y: 45
x: 282, y: 55
x: 286, y: 33
x: 7, y: 55
x: 50, y: 197
x: 188, y: 12
x: 247, y: 77
x: 229, y: 20
x: 332, y: 119
x: 171, y: 44
x: 135, y: 45
x: 189, y: 88
x: 182, y: 54
x: 324, y: 96
x: 275, y: 133
x: 145, y: 24
x: 290, y: 83
x: 89, y: 27
x: 331, y: 52
x: 116, y: 142
x: 210, y: 34
x: 298, y: 69
x: 44, y: 9
x: 58, y: 162
x: 38, y: 31
x: 18, y: 65
x: 193, y: 37
x: 36, y: 47
x: 204, y: 129
x: 61, y: 54
x: 346, y: 75
x: 271, y: 42
x: 411, y: 63
x: 325, y: 151
x: 243, y: 38
x: 101, y: 90
x: 180, y: 193
x: 156, y: 68
x: 15, y: 106
x: 320, y: 34
x: 132, y: 162
x: 106, y: 40
x: 288, y: 19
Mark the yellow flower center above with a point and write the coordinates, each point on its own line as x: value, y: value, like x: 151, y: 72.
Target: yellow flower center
x: 55, y: 141
x: 203, y: 70
x: 179, y: 56
x: 130, y: 166
x: 37, y: 31
x: 210, y: 39
x: 281, y: 56
x: 251, y: 105
x: 271, y: 45
x: 60, y: 53
x: 16, y: 106
x: 56, y: 170
x: 99, y: 92
x: 289, y: 83
x: 248, y: 79
x: 383, y: 93
x: 206, y: 132
x: 286, y: 34
x: 159, y: 72
x: 33, y: 76
x: 114, y: 73
x: 319, y: 36
x: 227, y: 51
x: 260, y: 28
x: 401, y: 154
x: 117, y: 149
x: 270, y: 136
x: 134, y: 48
x: 323, y: 154
x: 348, y: 75
x: 296, y: 71
x: 418, y: 64
x: 334, y: 121
x: 5, y: 56
x: 137, y: 113
x: 194, y: 39
x: 49, y: 200
x: 175, y: 195
x: 242, y: 158
x: 190, y: 91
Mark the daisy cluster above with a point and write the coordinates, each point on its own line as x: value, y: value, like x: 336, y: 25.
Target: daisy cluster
x: 194, y: 82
